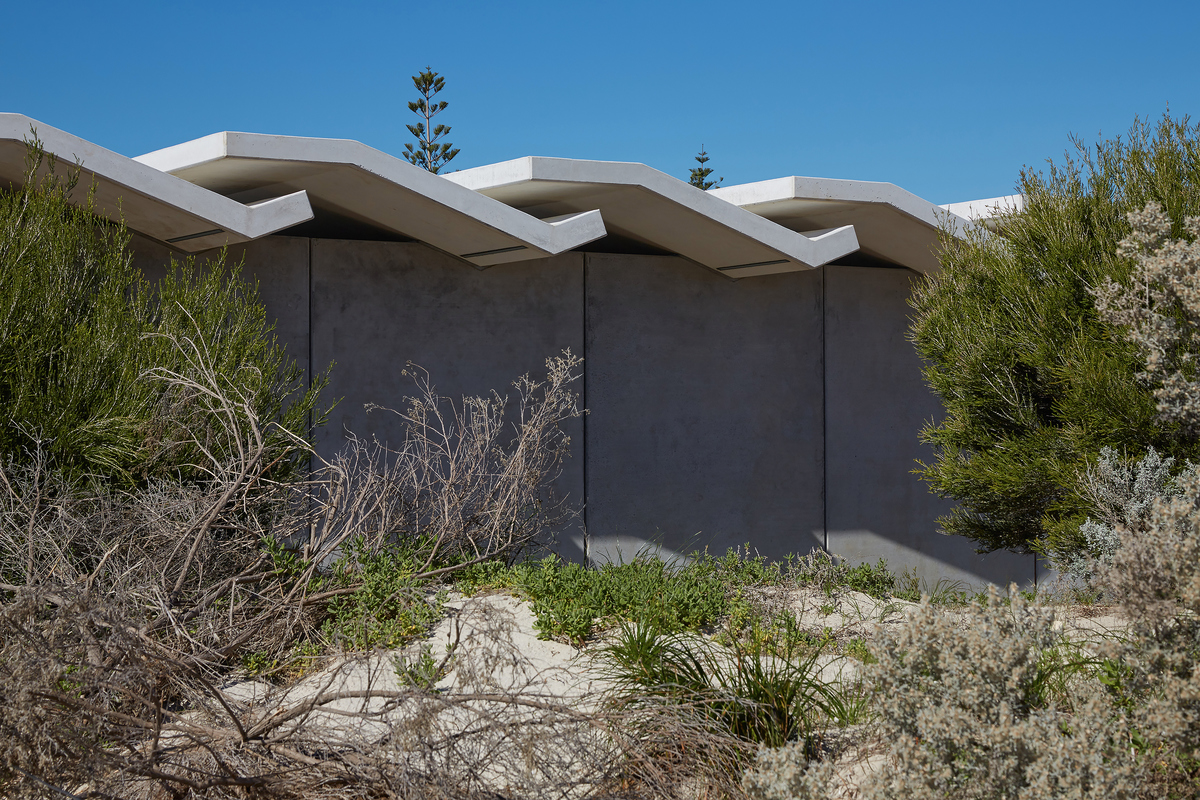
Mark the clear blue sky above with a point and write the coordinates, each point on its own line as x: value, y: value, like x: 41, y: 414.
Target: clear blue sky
x: 948, y: 100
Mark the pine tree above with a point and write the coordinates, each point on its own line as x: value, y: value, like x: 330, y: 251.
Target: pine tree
x: 699, y: 177
x: 428, y: 153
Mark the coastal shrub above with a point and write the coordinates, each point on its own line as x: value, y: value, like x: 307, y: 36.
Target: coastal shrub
x: 762, y: 697
x: 388, y: 606
x: 1123, y: 493
x: 1154, y: 579
x: 569, y: 599
x: 967, y: 708
x: 699, y: 707
x: 1033, y: 379
x: 90, y: 350
x: 980, y: 703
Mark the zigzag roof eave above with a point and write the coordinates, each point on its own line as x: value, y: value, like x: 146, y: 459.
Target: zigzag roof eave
x: 904, y: 230
x: 147, y: 200
x: 380, y: 190
x: 661, y: 211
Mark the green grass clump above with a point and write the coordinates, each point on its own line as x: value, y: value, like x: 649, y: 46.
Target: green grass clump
x: 571, y: 600
x: 757, y: 694
x: 875, y: 580
x: 859, y: 650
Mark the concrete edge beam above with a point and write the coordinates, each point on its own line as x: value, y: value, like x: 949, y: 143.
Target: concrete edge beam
x: 160, y: 206
x: 778, y: 197
x: 540, y: 179
x: 521, y: 236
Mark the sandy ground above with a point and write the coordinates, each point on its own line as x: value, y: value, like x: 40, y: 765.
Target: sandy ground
x: 497, y: 655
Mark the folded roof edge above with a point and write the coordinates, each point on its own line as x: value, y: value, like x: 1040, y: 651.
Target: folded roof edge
x: 232, y: 187
x: 149, y: 201
x: 657, y: 209
x: 893, y: 224
x: 350, y: 179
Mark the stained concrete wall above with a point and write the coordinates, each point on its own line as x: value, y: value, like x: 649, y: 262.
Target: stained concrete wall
x: 876, y: 400
x: 378, y: 305
x: 781, y: 411
x: 705, y: 399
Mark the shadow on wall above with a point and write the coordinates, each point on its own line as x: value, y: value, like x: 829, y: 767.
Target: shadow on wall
x: 768, y: 411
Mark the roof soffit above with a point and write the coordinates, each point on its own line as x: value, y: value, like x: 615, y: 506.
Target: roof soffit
x: 648, y: 206
x: 892, y: 223
x: 367, y: 185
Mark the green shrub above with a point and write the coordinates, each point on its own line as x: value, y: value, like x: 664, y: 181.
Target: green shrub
x: 832, y: 574
x: 384, y: 604
x: 874, y: 580
x: 1034, y: 384
x: 86, y: 346
x: 423, y: 671
x: 859, y: 650
x: 569, y: 599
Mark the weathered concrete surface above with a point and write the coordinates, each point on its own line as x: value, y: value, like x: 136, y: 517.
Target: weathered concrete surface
x: 876, y: 402
x: 766, y: 410
x: 705, y: 400
x: 378, y: 305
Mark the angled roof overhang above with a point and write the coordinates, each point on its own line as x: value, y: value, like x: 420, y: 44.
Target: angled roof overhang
x: 650, y: 207
x: 350, y: 180
x: 893, y: 225
x: 150, y: 202
x: 990, y: 211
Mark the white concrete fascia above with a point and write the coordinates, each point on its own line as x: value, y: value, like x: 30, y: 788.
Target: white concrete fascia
x: 352, y: 179
x: 661, y: 211
x: 987, y: 212
x: 147, y: 200
x: 892, y: 223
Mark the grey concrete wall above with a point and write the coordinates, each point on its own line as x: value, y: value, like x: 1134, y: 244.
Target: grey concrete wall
x: 781, y: 411
x: 876, y: 401
x: 705, y: 399
x: 378, y: 305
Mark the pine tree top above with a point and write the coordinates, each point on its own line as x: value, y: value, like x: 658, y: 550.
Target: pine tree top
x: 428, y: 153
x: 699, y: 175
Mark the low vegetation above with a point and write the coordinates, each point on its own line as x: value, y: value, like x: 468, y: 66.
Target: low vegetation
x: 194, y: 604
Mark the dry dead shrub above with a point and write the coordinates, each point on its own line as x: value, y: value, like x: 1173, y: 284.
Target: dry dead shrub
x: 468, y: 483
x: 125, y: 615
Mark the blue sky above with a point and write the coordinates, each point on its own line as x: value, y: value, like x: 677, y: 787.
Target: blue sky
x: 948, y: 100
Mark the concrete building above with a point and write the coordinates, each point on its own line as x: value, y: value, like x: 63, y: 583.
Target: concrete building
x: 746, y: 365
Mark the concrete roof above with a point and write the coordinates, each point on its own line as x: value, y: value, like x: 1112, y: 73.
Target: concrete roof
x: 986, y: 212
x: 150, y: 202
x: 892, y: 224
x: 655, y: 209
x: 350, y: 180
x: 233, y: 187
